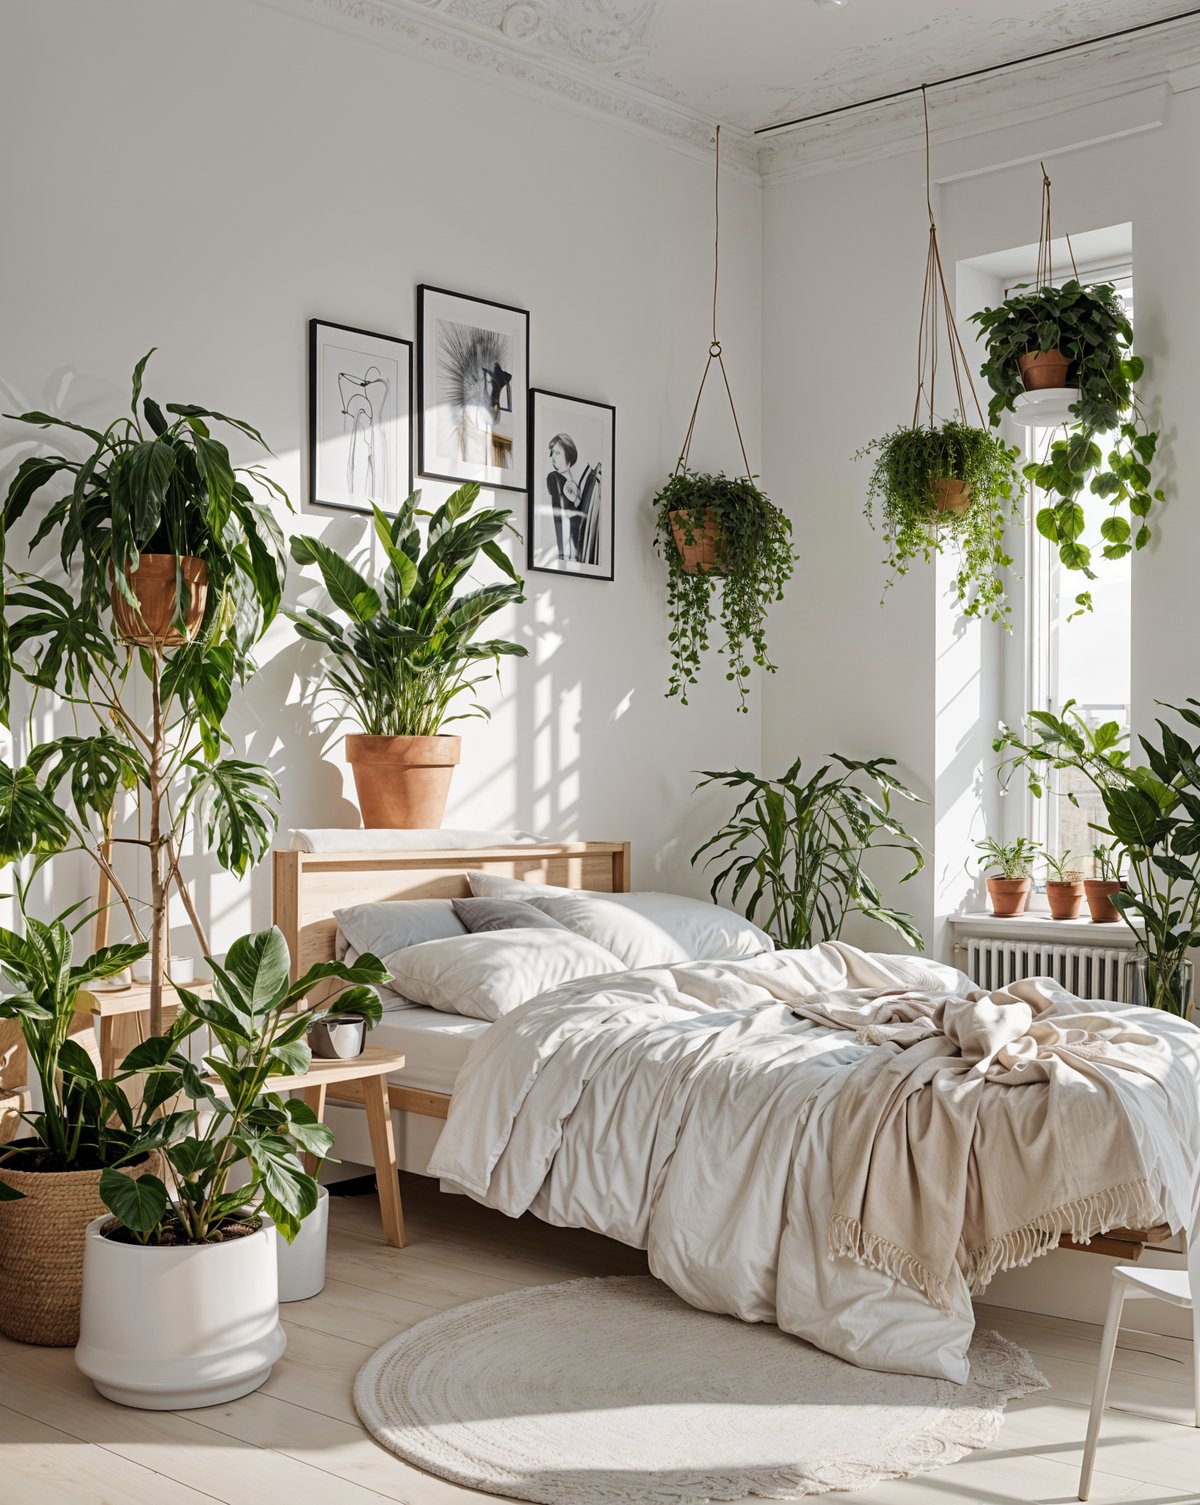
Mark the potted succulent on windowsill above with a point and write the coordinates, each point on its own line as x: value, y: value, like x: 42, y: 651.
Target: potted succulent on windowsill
x: 50, y: 1177
x: 407, y: 649
x: 1009, y: 888
x: 949, y: 489
x: 1081, y: 337
x: 180, y: 1286
x: 1064, y: 887
x: 1107, y: 881
x: 711, y: 528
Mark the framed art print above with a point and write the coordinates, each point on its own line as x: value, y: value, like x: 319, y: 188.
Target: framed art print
x: 472, y: 389
x: 572, y: 448
x: 359, y: 418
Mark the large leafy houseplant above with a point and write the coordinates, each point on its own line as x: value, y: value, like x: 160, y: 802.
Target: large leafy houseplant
x: 752, y: 561
x: 794, y: 849
x: 910, y: 464
x: 402, y: 651
x: 1108, y: 447
x: 152, y: 491
x: 1152, y: 813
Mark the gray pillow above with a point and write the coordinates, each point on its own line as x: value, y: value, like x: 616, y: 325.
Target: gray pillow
x: 480, y: 915
x: 394, y: 923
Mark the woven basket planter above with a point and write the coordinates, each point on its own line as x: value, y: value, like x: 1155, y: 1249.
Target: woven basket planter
x: 41, y: 1251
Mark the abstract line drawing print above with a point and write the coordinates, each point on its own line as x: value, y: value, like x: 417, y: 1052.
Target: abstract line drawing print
x: 475, y: 413
x: 364, y: 408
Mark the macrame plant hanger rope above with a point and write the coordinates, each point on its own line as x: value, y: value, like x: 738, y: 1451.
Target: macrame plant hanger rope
x: 1045, y: 261
x: 935, y: 306
x: 714, y: 349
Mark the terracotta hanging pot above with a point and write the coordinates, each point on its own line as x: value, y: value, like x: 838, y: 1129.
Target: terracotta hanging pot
x: 402, y: 782
x: 1064, y: 899
x: 703, y: 556
x: 154, y: 585
x: 1008, y: 896
x: 1099, y: 893
x: 1044, y: 368
x: 951, y: 496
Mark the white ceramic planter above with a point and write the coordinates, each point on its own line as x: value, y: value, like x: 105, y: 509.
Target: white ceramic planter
x: 302, y: 1262
x: 169, y: 1329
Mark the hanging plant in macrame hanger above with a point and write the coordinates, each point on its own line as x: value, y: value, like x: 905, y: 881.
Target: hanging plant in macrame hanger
x: 1061, y: 359
x: 718, y: 531
x: 945, y: 485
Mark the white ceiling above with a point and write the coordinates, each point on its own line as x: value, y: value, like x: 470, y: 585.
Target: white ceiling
x: 750, y: 63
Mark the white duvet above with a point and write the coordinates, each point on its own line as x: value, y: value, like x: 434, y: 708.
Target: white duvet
x: 687, y: 1111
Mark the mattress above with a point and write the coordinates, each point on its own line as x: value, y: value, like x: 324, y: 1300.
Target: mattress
x: 435, y: 1043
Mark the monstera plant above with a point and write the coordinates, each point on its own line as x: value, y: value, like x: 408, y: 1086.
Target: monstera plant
x: 170, y: 570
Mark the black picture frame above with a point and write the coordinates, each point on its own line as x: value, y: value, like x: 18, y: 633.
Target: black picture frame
x: 553, y: 535
x: 391, y: 490
x: 446, y: 429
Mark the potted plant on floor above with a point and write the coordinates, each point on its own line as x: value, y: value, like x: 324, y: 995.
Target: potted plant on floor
x: 1064, y: 887
x: 407, y: 649
x: 1080, y: 337
x: 949, y: 488
x: 174, y: 572
x: 714, y: 529
x: 796, y: 847
x: 1011, y: 864
x: 1107, y: 863
x: 50, y: 1176
x: 180, y: 1290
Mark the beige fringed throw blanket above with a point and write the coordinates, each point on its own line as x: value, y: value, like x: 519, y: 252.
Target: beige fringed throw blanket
x: 981, y: 1131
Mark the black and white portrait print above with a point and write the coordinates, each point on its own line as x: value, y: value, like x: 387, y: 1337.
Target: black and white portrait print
x: 360, y: 418
x: 572, y: 453
x: 474, y: 378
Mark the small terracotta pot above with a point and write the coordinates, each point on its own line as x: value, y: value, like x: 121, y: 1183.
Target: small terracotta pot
x: 1043, y: 368
x: 952, y: 496
x: 1065, y: 899
x: 1099, y: 893
x: 402, y: 782
x: 1009, y: 896
x: 702, y: 556
x: 153, y: 583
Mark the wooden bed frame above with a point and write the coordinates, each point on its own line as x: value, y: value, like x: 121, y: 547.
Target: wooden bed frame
x: 309, y: 886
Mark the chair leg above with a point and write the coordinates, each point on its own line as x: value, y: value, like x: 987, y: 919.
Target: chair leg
x: 1108, y: 1347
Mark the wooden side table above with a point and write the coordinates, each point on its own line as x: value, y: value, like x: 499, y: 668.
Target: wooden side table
x: 362, y: 1079
x: 121, y: 1014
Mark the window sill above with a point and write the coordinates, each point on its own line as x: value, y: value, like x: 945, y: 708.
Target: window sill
x: 1038, y: 925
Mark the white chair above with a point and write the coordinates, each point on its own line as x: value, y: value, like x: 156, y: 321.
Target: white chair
x: 1128, y: 1280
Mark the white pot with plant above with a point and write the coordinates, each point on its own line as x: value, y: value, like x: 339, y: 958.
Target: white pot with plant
x: 1010, y: 865
x: 180, y: 1289
x: 407, y: 649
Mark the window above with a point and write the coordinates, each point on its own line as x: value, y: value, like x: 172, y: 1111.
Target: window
x: 1071, y: 654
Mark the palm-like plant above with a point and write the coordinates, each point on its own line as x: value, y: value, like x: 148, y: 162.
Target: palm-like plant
x: 797, y: 848
x: 407, y: 648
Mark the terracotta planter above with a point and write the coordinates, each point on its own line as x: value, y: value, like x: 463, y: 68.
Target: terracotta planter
x: 1008, y: 896
x: 41, y: 1252
x: 402, y: 782
x: 703, y: 555
x: 153, y: 583
x: 1044, y: 368
x: 1099, y: 893
x: 1065, y: 900
x: 952, y: 496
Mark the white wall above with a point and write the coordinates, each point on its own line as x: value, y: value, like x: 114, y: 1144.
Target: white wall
x: 206, y: 179
x: 842, y: 264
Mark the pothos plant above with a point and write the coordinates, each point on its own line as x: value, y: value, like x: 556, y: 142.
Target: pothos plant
x: 908, y: 462
x: 155, y: 481
x: 1107, y: 449
x: 755, y: 562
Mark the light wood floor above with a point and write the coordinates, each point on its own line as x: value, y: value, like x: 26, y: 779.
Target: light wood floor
x: 297, y: 1439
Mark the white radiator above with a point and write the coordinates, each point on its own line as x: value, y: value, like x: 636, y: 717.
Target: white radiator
x: 1086, y: 971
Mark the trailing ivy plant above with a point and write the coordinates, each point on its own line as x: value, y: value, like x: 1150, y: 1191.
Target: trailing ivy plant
x: 756, y: 562
x: 907, y: 462
x: 1089, y: 325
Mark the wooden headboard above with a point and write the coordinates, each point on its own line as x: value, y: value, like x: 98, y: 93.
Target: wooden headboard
x: 309, y: 886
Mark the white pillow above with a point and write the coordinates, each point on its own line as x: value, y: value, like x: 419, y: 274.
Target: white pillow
x: 643, y: 929
x: 352, y: 839
x: 486, y: 975
x: 386, y: 927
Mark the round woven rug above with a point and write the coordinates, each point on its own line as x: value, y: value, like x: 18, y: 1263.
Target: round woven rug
x: 614, y: 1392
